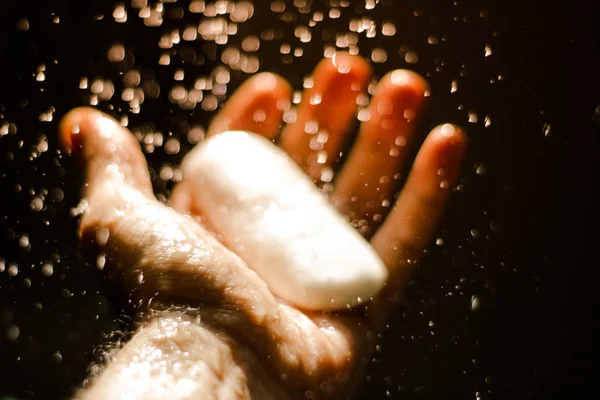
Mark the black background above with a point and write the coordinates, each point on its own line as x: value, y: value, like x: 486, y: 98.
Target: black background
x: 518, y: 240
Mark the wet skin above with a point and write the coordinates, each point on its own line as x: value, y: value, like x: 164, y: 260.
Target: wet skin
x: 208, y: 325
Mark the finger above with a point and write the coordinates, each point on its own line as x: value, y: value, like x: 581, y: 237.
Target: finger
x: 257, y: 106
x: 366, y: 182
x: 326, y: 113
x: 107, y: 149
x: 409, y: 226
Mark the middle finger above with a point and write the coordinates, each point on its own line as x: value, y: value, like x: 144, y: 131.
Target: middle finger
x: 326, y: 113
x: 365, y: 186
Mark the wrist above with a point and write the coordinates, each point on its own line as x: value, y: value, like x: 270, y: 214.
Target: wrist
x: 174, y: 354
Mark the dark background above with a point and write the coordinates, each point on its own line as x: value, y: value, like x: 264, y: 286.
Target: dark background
x: 503, y: 307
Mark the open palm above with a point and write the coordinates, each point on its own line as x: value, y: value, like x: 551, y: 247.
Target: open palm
x: 239, y: 340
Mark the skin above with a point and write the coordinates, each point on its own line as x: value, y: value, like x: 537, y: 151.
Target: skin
x: 208, y: 325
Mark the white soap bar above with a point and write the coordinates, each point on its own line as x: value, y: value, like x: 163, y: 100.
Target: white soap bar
x: 271, y: 214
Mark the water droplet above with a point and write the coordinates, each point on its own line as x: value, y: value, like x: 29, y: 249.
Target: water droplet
x: 454, y: 86
x: 311, y: 127
x: 388, y: 29
x: 37, y: 204
x: 13, y: 270
x: 432, y: 39
x: 119, y: 13
x: 487, y: 121
x: 57, y: 357
x: 100, y: 261
x: 488, y: 50
x: 326, y: 175
x: 47, y: 269
x: 116, y: 53
x: 379, y: 55
x: 447, y: 130
x: 546, y: 129
x: 23, y: 25
x: 172, y: 146
x: 411, y: 57
x: 24, y: 241
x: 12, y: 333
x: 316, y: 99
x: 102, y: 235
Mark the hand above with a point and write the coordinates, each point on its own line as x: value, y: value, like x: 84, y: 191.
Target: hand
x: 240, y: 340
